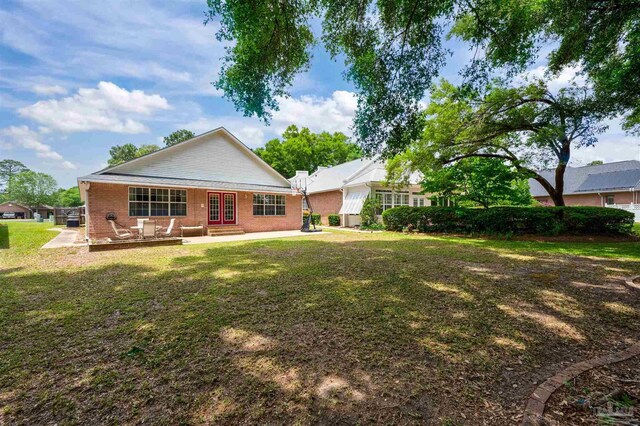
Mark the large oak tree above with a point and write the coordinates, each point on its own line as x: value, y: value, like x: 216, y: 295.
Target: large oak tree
x: 528, y: 127
x: 394, y: 48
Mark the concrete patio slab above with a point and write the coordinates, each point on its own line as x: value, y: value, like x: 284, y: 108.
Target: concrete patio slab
x: 66, y: 238
x: 249, y: 237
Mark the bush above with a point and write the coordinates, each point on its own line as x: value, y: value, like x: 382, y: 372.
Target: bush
x: 315, y: 218
x: 511, y: 220
x: 334, y: 219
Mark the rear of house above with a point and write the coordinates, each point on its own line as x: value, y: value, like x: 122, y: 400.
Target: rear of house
x: 212, y: 180
x: 342, y: 190
x: 603, y: 185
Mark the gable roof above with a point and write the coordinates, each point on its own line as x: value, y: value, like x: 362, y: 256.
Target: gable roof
x: 618, y: 176
x: 356, y: 172
x: 211, y: 159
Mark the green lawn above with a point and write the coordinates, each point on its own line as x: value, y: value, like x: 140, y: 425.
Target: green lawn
x: 340, y: 328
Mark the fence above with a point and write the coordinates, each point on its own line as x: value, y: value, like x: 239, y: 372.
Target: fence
x: 633, y: 208
x: 61, y: 214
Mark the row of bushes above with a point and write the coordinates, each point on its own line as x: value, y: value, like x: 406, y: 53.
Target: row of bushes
x: 511, y: 220
x: 334, y: 219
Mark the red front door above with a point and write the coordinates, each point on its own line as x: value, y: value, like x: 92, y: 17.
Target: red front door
x: 222, y: 208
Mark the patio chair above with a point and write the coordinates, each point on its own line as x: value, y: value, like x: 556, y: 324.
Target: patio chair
x: 148, y: 229
x: 167, y: 232
x: 122, y: 234
x: 141, y: 221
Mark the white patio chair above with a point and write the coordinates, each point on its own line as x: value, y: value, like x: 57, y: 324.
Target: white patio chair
x: 141, y: 221
x: 149, y: 229
x: 122, y: 234
x: 167, y: 232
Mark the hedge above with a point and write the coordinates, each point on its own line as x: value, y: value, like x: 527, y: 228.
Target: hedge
x: 334, y: 219
x: 511, y: 220
x: 315, y: 218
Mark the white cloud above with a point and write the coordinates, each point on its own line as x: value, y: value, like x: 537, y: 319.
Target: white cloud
x: 45, y: 90
x: 26, y: 138
x: 334, y: 114
x: 107, y: 108
x: 565, y: 78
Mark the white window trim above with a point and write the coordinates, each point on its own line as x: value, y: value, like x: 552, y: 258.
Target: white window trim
x: 253, y: 204
x: 149, y: 202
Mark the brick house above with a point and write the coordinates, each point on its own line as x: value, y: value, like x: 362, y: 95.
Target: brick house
x: 20, y: 211
x: 342, y: 189
x: 213, y: 180
x: 604, y: 185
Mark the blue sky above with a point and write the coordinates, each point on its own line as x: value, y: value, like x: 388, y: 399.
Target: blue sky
x: 78, y: 77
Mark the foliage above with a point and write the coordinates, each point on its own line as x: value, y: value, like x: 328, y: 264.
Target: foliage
x: 483, y: 181
x: 303, y: 150
x: 315, y: 218
x: 595, y: 163
x: 369, y: 212
x: 178, y: 136
x: 393, y: 50
x: 9, y: 168
x: 511, y: 220
x: 373, y: 227
x: 528, y: 127
x: 123, y: 153
x: 334, y: 219
x: 68, y: 197
x: 32, y: 189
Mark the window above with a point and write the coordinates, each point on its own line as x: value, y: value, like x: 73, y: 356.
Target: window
x: 609, y: 200
x: 443, y: 202
x: 268, y: 205
x: 157, y: 202
x: 419, y: 201
x: 389, y: 199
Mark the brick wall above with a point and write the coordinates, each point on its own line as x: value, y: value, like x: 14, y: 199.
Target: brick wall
x: 590, y: 199
x: 104, y: 198
x: 326, y: 203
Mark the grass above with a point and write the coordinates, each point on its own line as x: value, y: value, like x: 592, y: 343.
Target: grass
x: 338, y: 328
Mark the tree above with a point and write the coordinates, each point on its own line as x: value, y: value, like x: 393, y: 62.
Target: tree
x: 123, y: 153
x: 9, y: 168
x: 595, y: 163
x: 178, y: 136
x: 393, y: 50
x: 483, y: 181
x: 32, y: 189
x: 527, y: 127
x: 68, y: 197
x: 304, y: 150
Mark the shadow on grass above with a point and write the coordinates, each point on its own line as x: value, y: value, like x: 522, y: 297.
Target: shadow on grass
x: 406, y: 331
x: 4, y: 236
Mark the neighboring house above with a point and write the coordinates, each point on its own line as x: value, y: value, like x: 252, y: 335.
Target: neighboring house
x: 213, y: 180
x: 21, y: 211
x: 342, y: 189
x: 609, y: 185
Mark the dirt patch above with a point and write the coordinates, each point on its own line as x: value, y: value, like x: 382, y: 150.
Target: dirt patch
x: 599, y: 396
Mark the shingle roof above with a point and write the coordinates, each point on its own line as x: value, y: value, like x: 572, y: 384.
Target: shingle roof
x: 181, y: 183
x: 354, y: 172
x: 331, y: 178
x: 620, y: 175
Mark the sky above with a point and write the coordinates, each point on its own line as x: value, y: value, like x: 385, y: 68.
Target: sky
x: 78, y: 77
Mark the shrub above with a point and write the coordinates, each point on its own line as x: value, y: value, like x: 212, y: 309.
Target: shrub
x: 369, y: 212
x: 334, y: 219
x: 511, y: 220
x: 315, y: 218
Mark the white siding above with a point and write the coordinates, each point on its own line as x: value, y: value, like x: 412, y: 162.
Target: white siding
x: 213, y: 157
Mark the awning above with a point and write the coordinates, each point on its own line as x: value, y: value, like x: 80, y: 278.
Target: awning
x: 354, y: 201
